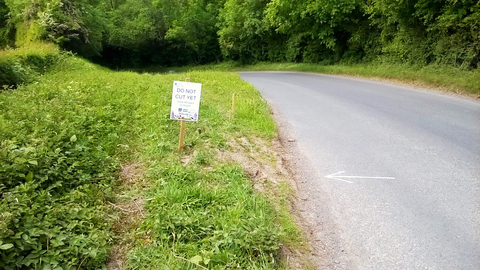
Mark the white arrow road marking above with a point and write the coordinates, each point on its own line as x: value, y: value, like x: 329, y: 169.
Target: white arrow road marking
x: 338, y: 177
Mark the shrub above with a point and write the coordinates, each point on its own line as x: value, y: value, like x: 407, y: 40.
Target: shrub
x: 23, y: 65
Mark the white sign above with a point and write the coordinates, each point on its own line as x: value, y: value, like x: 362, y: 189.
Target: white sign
x: 185, y: 101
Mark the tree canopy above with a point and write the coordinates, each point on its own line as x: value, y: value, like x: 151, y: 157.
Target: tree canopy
x: 126, y: 33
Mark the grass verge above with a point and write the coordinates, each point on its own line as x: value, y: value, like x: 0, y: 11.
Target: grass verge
x: 445, y: 78
x: 89, y: 168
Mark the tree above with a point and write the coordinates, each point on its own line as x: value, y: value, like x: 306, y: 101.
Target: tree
x: 76, y: 25
x: 317, y: 29
x: 134, y: 24
x: 243, y: 33
x: 191, y: 29
x: 426, y: 31
x: 455, y: 32
x: 7, y: 30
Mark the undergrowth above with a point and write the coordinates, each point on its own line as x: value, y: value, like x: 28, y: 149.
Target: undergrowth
x: 58, y: 156
x: 23, y: 65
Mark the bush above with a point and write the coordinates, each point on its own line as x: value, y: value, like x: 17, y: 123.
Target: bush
x: 23, y: 65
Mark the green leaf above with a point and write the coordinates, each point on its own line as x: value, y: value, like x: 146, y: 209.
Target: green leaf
x: 29, y: 177
x: 6, y: 246
x: 33, y: 162
x: 93, y: 253
x: 73, y: 138
x: 196, y: 259
x: 20, y: 160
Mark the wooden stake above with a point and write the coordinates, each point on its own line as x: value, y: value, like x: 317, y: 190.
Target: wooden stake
x: 182, y: 131
x: 233, y: 104
x: 182, y: 137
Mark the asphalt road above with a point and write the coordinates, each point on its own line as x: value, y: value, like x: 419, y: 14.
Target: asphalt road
x: 398, y: 168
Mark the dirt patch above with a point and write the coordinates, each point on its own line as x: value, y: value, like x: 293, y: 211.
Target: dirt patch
x: 131, y: 173
x: 187, y: 158
x: 296, y: 259
x: 131, y: 213
x: 258, y: 159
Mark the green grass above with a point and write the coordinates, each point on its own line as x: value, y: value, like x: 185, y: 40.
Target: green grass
x: 66, y: 134
x: 436, y: 76
x: 215, y: 216
x: 443, y: 77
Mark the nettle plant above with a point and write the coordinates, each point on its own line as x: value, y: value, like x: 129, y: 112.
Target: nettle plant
x: 52, y: 212
x: 57, y: 171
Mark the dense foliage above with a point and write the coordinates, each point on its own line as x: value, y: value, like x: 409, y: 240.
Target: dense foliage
x: 24, y: 65
x: 56, y: 169
x: 126, y: 33
x: 7, y: 31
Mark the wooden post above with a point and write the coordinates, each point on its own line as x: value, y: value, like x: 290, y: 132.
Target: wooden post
x: 182, y: 131
x: 233, y: 105
x: 182, y: 137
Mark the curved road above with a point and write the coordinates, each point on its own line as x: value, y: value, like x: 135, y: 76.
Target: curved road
x: 398, y: 168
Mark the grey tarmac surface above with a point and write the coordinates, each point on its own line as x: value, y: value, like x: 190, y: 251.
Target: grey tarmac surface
x: 390, y: 174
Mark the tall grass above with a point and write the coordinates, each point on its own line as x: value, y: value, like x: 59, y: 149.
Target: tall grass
x: 63, y: 139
